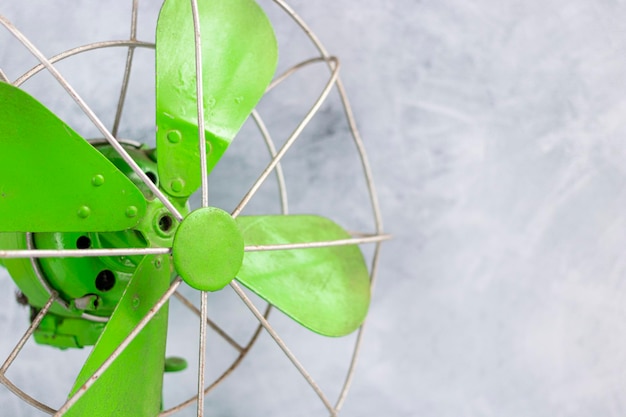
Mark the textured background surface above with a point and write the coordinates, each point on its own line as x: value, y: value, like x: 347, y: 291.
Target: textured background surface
x: 495, y: 131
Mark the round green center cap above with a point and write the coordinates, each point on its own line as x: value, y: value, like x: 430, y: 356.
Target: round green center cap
x: 208, y: 249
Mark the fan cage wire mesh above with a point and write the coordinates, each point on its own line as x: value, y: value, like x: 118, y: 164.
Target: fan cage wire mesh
x: 375, y: 238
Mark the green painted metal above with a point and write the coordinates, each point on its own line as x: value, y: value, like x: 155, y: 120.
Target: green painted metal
x: 157, y: 227
x: 239, y: 57
x: 24, y: 276
x: 64, y: 332
x: 132, y: 385
x: 52, y: 180
x: 325, y: 289
x: 175, y: 364
x: 77, y: 279
x: 74, y: 278
x: 208, y: 249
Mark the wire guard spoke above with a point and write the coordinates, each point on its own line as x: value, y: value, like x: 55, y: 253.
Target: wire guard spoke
x: 48, y: 288
x: 225, y: 374
x: 266, y: 325
x: 357, y: 346
x: 18, y: 348
x: 209, y: 322
x: 80, y: 253
x: 200, y: 102
x: 292, y: 138
x: 31, y: 329
x: 107, y: 363
x: 202, y: 352
x: 127, y: 69
x: 356, y: 136
x: 367, y: 171
x: 325, y: 244
x: 205, y: 194
x: 92, y: 116
x: 280, y: 177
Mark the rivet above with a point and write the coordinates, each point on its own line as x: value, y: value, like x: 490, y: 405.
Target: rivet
x: 158, y: 262
x: 131, y: 211
x: 97, y: 180
x: 84, y: 212
x: 177, y: 185
x: 174, y: 136
x: 136, y: 302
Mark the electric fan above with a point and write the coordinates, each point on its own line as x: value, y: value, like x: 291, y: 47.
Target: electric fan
x: 98, y: 235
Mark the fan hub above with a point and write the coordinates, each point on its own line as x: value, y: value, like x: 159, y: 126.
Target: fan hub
x: 208, y: 249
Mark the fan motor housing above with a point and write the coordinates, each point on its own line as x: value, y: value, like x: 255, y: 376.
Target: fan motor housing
x: 89, y: 288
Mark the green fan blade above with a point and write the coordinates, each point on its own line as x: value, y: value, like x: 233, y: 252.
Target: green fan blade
x: 239, y: 56
x: 325, y: 289
x: 52, y: 180
x: 132, y: 385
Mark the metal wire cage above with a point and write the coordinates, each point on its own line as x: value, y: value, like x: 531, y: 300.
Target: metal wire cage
x: 277, y: 165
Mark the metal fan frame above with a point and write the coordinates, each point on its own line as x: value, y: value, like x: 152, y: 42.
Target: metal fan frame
x: 276, y: 155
